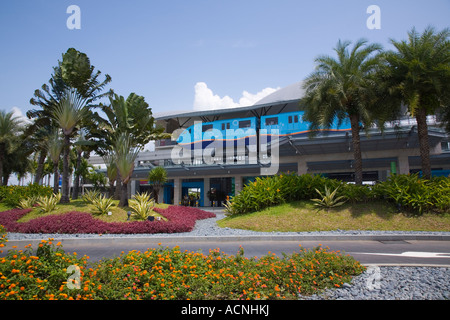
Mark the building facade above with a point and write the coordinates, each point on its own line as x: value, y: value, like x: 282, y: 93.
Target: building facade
x: 213, y: 154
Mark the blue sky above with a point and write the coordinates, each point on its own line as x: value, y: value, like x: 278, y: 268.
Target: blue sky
x: 164, y: 49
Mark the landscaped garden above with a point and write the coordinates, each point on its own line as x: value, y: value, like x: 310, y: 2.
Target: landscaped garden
x: 288, y: 202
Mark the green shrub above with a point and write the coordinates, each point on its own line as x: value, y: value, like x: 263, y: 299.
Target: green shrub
x: 3, y: 237
x: 417, y: 195
x: 28, y: 202
x: 142, y: 205
x: 329, y: 199
x: 48, y: 204
x: 102, y: 204
x: 90, y: 195
x: 269, y: 191
x: 12, y: 195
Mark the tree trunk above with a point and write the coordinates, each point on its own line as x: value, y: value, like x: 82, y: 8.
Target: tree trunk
x: 111, y: 189
x: 354, y: 121
x: 422, y: 130
x: 40, y: 166
x: 65, y: 177
x: 55, y: 178
x: 2, y: 157
x: 77, y: 177
x: 124, y: 195
x: 118, y: 188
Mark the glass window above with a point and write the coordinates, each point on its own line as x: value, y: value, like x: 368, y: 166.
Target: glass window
x: 290, y: 119
x: 207, y: 127
x: 245, y: 124
x: 271, y: 121
x: 295, y: 118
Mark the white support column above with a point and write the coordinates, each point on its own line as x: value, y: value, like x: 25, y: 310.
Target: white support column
x: 403, y: 164
x: 177, y: 191
x: 237, y: 184
x: 302, y: 167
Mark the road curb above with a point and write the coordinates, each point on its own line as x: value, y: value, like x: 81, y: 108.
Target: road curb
x: 105, y: 240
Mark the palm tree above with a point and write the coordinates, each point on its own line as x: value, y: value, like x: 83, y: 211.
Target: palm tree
x: 418, y: 74
x: 10, y: 127
x: 73, y: 71
x: 342, y: 89
x: 157, y: 177
x: 55, y: 145
x: 68, y: 114
x: 111, y: 171
x: 125, y: 156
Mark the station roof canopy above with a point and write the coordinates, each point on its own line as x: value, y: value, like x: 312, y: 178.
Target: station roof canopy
x: 282, y: 100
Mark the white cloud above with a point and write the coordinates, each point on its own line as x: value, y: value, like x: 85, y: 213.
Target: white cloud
x: 19, y: 114
x: 205, y: 99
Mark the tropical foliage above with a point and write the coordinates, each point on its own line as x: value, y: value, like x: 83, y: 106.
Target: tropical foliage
x: 344, y: 89
x: 417, y: 74
x: 410, y: 192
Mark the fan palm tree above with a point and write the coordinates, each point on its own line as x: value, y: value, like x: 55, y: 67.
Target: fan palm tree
x: 157, y: 177
x: 73, y: 71
x: 418, y: 74
x: 342, y: 89
x: 125, y: 156
x: 69, y: 114
x: 10, y: 127
x: 55, y: 145
x: 111, y: 171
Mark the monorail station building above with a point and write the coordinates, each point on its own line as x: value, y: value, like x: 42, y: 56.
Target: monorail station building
x: 214, y: 153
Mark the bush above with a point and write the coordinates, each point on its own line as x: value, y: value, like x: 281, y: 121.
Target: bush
x: 102, y: 204
x: 48, y: 203
x: 408, y: 192
x: 329, y: 199
x: 12, y: 195
x: 169, y: 273
x: 269, y: 191
x: 3, y: 237
x: 90, y: 195
x: 142, y: 205
x: 416, y: 195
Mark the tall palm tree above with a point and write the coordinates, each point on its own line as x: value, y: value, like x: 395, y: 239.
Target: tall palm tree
x: 69, y: 114
x: 10, y: 127
x: 157, y: 177
x: 73, y: 71
x: 418, y: 74
x: 125, y: 156
x: 342, y: 89
x: 55, y: 145
x: 111, y: 171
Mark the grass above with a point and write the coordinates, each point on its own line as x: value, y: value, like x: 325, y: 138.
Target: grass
x: 118, y: 214
x: 302, y: 216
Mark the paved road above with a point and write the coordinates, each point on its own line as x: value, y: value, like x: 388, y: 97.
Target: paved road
x: 368, y: 252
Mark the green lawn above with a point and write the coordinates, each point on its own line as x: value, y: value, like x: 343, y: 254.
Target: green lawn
x: 302, y: 216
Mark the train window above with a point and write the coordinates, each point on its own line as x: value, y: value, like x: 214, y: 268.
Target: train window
x: 227, y: 125
x: 290, y: 119
x: 245, y: 124
x: 295, y: 118
x: 207, y: 127
x: 271, y: 121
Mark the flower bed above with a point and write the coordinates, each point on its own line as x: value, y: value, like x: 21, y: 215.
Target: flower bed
x: 179, y: 219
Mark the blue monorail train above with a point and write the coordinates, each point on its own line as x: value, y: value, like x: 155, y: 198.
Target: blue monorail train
x: 242, y: 130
